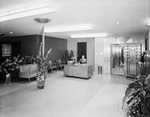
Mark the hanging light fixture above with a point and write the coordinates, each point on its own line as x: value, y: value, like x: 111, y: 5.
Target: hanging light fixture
x: 42, y: 20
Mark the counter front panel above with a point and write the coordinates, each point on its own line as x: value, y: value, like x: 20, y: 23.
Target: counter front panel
x: 83, y: 71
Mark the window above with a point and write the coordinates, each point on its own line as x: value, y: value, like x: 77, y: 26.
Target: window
x: 6, y: 50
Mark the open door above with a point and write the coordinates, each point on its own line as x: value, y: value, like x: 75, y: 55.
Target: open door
x: 132, y: 56
x: 117, y: 59
x: 125, y: 59
x: 81, y: 49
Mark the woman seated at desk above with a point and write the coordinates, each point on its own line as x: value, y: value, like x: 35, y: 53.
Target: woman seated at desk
x: 82, y: 60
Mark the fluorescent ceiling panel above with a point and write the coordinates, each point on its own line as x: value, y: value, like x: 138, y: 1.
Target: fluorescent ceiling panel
x: 25, y: 12
x: 68, y: 28
x: 4, y: 14
x: 18, y: 10
x: 37, y: 6
x: 89, y: 35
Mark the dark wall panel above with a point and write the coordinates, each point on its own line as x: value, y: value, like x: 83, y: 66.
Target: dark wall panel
x: 82, y: 50
x: 29, y: 45
x: 16, y: 49
x: 58, y: 47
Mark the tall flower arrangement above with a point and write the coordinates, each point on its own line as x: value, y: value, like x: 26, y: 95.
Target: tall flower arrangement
x: 42, y: 63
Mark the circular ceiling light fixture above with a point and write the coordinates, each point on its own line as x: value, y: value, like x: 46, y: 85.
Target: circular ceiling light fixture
x: 42, y: 20
x: 11, y: 32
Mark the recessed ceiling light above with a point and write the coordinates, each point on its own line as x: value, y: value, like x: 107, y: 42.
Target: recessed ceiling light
x: 148, y: 23
x: 11, y: 32
x: 117, y: 22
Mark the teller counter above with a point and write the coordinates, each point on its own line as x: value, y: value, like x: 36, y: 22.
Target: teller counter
x: 81, y: 70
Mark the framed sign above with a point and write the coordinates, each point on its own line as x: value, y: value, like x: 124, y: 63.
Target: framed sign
x: 6, y: 50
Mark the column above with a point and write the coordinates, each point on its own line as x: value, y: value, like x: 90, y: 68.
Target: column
x: 148, y: 38
x: 43, y: 42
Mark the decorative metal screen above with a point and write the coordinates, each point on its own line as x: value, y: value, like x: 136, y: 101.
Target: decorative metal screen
x: 132, y: 56
x: 6, y: 50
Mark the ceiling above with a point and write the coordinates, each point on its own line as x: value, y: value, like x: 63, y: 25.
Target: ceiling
x: 102, y: 14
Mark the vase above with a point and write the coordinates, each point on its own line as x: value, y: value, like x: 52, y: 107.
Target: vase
x: 40, y: 82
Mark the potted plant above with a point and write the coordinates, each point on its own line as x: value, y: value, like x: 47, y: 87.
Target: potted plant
x: 42, y: 73
x: 68, y: 55
x: 43, y: 65
x: 136, y: 101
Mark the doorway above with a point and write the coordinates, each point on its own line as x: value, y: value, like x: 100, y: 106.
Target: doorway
x: 117, y: 59
x: 132, y: 54
x: 81, y: 50
x: 125, y: 58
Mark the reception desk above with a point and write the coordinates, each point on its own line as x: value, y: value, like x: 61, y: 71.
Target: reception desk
x: 82, y: 70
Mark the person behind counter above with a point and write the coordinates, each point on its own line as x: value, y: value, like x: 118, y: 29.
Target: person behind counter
x: 82, y: 60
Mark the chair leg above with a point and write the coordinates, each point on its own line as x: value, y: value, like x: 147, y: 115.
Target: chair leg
x: 7, y: 81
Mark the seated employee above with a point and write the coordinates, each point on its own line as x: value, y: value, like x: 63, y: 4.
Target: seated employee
x: 82, y: 60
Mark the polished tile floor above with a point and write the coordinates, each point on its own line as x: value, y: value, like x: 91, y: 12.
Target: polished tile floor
x: 118, y: 70
x: 99, y: 96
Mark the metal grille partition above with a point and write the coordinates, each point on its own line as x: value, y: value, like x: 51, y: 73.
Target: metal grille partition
x: 132, y: 57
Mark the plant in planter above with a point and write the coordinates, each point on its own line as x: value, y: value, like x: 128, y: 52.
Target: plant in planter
x: 42, y: 63
x: 68, y: 55
x: 136, y: 101
x: 42, y: 73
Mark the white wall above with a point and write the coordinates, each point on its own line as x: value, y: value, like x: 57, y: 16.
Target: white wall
x: 103, y: 46
x: 139, y: 38
x: 99, y: 53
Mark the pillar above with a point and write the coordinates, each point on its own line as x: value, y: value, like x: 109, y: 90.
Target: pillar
x: 43, y: 42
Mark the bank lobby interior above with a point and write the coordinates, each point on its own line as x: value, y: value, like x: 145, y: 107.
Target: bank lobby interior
x: 99, y: 95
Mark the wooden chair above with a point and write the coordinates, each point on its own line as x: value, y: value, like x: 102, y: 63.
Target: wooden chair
x: 59, y: 64
x: 52, y: 66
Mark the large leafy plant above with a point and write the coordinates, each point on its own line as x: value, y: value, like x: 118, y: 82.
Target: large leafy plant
x: 68, y: 55
x: 138, y: 100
